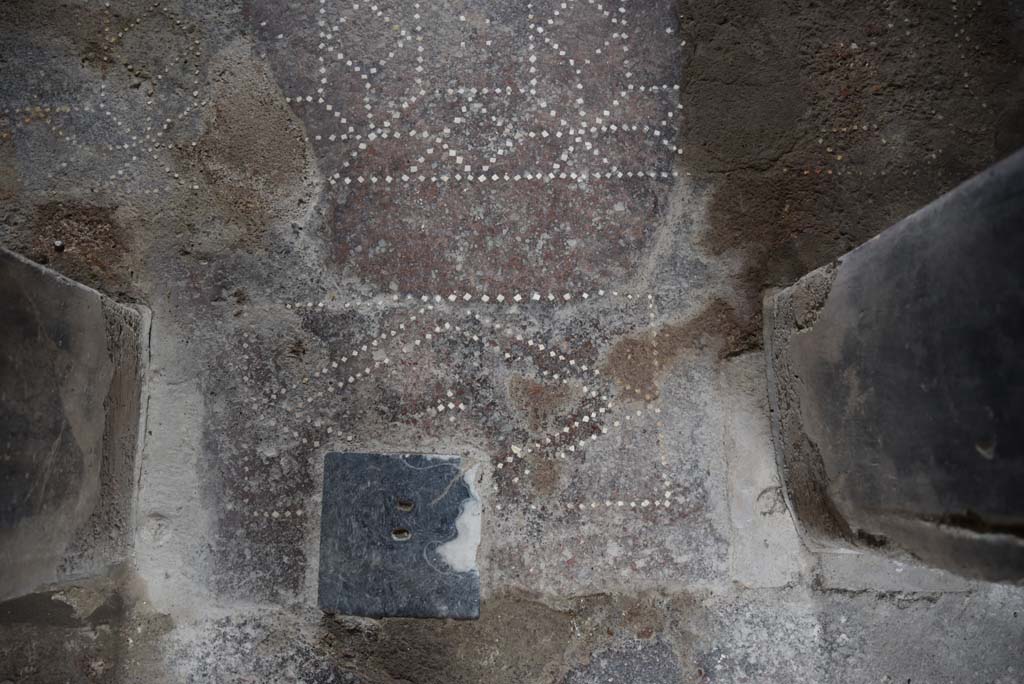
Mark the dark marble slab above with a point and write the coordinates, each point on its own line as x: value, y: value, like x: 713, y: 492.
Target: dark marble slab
x: 385, y: 520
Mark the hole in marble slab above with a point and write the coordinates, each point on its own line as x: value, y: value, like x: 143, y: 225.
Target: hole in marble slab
x: 405, y: 505
x: 401, y: 534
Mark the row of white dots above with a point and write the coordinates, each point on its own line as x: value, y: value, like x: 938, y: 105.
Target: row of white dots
x: 466, y: 297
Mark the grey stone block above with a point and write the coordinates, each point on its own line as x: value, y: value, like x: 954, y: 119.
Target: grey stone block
x: 398, y: 537
x: 895, y: 380
x: 873, y: 572
x: 71, y: 369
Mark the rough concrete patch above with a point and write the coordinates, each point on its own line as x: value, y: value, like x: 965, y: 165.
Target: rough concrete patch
x: 637, y: 362
x: 731, y: 64
x: 77, y: 634
x: 632, y: 661
x: 91, y: 601
x: 85, y: 242
x: 648, y: 631
x: 542, y: 404
x: 805, y: 303
x: 10, y: 184
x: 547, y: 478
x: 799, y: 463
x: 760, y: 637
x: 253, y: 156
x: 38, y: 653
x: 848, y: 136
x: 498, y: 648
x: 245, y: 646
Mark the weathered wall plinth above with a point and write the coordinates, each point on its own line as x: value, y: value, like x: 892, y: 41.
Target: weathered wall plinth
x: 71, y: 370
x: 896, y: 378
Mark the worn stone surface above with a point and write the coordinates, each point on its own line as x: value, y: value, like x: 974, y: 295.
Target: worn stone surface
x: 799, y: 459
x: 870, y: 571
x: 71, y: 371
x: 69, y: 635
x: 617, y: 431
x: 398, y: 537
x: 633, y: 661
